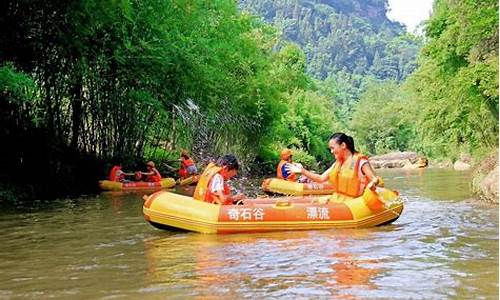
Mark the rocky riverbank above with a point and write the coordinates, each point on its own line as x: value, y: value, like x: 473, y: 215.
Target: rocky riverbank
x: 485, y: 179
x: 405, y: 159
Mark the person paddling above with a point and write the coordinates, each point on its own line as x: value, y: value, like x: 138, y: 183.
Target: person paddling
x: 153, y: 175
x: 188, y: 167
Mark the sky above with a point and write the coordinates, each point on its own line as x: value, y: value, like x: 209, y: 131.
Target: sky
x: 409, y: 12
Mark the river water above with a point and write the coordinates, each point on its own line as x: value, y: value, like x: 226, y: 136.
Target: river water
x: 444, y: 246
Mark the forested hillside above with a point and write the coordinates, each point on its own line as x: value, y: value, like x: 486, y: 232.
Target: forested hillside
x: 349, y: 43
x: 449, y: 105
x: 442, y: 104
x: 351, y: 36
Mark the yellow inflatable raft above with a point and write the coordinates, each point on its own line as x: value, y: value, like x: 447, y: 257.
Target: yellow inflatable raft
x: 167, y: 210
x: 280, y: 186
x: 136, y: 185
x: 188, y: 180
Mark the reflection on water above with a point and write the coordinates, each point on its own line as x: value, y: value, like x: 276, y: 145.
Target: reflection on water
x: 349, y: 271
x: 443, y: 246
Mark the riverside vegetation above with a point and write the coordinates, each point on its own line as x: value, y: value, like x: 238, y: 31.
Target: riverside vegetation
x: 82, y: 82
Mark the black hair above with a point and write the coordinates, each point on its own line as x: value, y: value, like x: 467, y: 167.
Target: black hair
x: 341, y: 137
x: 228, y: 161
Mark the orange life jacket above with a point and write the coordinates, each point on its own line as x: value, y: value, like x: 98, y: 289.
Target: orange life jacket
x: 156, y: 177
x: 210, y: 197
x: 202, y: 185
x: 291, y: 175
x: 202, y: 191
x: 113, y: 174
x: 345, y: 177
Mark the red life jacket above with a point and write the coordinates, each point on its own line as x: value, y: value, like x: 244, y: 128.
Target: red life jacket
x: 185, y: 163
x: 156, y: 177
x: 279, y: 172
x: 182, y: 172
x: 113, y: 174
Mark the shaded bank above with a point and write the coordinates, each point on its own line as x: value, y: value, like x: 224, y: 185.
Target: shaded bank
x: 35, y: 165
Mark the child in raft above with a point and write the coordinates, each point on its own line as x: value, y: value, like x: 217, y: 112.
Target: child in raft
x: 286, y: 168
x: 153, y: 175
x: 117, y: 174
x: 212, y: 186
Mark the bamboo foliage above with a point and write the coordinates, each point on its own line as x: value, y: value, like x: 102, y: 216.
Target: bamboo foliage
x: 110, y: 73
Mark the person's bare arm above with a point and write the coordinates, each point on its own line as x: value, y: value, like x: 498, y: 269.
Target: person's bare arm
x: 238, y: 197
x: 219, y: 198
x: 317, y: 177
x: 370, y: 174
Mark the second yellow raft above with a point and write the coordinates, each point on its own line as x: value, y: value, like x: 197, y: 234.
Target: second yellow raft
x: 136, y: 185
x: 284, y: 187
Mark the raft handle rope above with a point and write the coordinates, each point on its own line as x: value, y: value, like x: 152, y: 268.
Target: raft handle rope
x: 388, y: 204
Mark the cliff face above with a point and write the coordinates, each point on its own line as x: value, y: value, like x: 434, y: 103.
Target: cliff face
x: 353, y: 36
x: 374, y: 10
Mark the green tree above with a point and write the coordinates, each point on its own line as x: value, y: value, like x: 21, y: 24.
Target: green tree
x: 379, y: 123
x: 456, y: 85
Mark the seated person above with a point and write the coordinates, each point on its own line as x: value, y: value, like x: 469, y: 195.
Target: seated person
x: 117, y: 174
x: 152, y: 175
x: 188, y: 167
x: 351, y: 173
x: 286, y: 168
x: 212, y: 186
x: 283, y: 169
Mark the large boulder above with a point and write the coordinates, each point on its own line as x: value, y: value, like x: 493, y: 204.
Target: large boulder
x: 463, y: 163
x: 443, y: 164
x: 466, y: 158
x: 461, y: 166
x: 485, y: 179
x: 394, y: 160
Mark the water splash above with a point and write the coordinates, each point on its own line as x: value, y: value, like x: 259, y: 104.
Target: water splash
x: 215, y: 133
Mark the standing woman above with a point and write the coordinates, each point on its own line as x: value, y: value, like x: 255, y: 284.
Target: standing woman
x: 351, y: 173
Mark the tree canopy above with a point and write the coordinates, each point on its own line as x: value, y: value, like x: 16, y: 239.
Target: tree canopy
x: 84, y: 82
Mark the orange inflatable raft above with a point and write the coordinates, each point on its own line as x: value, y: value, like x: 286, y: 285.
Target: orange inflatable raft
x: 280, y: 186
x: 167, y: 210
x: 136, y: 185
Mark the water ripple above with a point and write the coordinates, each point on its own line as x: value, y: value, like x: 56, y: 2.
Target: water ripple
x: 444, y: 245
